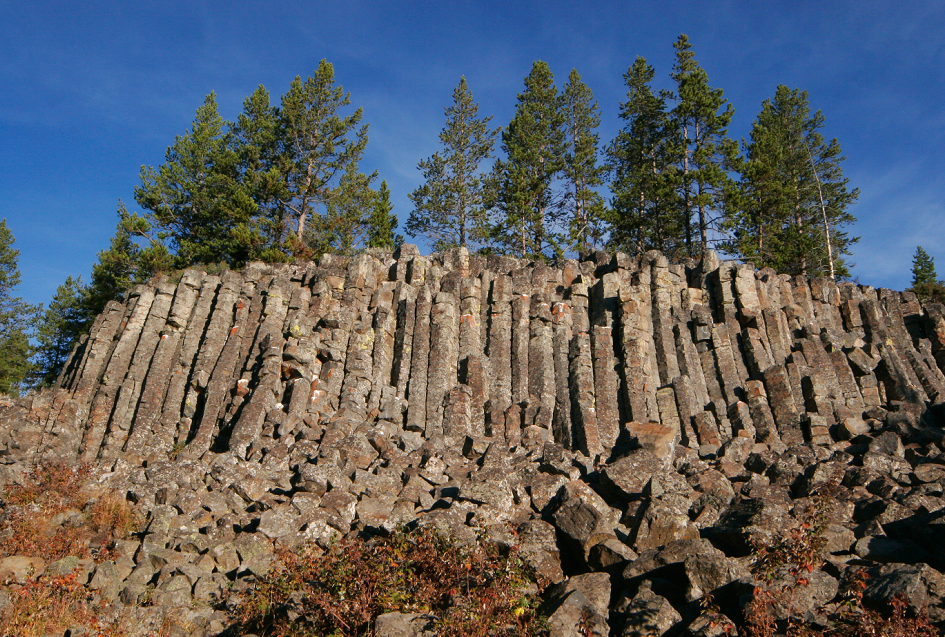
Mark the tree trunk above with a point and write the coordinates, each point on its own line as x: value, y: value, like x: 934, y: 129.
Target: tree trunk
x: 687, y: 205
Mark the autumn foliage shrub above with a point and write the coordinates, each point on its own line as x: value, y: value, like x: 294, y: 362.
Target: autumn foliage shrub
x: 36, y: 521
x: 51, y: 605
x: 783, y: 567
x: 55, y: 513
x: 471, y: 591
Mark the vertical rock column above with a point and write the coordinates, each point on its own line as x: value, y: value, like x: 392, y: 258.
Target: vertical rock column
x: 157, y: 382
x: 102, y: 337
x: 444, y: 344
x: 521, y: 305
x: 213, y: 372
x: 405, y: 300
x: 126, y: 403
x: 605, y: 386
x: 583, y: 413
x: 270, y: 341
x: 500, y: 345
x: 417, y: 388
x: 561, y: 425
x: 541, y: 367
x: 640, y: 375
x: 182, y: 368
x: 114, y: 374
x: 666, y: 360
x: 474, y: 369
x: 385, y: 321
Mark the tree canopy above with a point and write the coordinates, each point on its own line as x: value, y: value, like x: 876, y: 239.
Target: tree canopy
x: 283, y: 181
x: 925, y: 281
x: 16, y: 318
x: 794, y: 202
x: 448, y: 206
x: 527, y: 204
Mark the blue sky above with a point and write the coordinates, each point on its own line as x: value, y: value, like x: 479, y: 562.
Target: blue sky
x: 92, y: 91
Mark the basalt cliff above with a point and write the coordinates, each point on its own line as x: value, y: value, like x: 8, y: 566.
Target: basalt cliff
x: 635, y: 421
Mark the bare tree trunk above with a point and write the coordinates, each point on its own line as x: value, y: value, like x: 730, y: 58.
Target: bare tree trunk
x: 688, y: 203
x: 823, y: 209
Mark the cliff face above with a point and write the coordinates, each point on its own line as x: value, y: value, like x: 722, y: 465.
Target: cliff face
x: 612, y: 408
x: 457, y: 345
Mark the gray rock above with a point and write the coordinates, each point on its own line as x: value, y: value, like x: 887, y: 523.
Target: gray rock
x: 280, y: 522
x: 405, y: 625
x: 648, y: 615
x: 594, y: 586
x: 576, y: 616
x: 583, y: 515
x: 19, y: 568
x: 886, y: 549
x: 629, y: 475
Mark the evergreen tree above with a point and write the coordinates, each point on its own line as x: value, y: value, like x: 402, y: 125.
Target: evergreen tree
x: 383, y: 221
x: 16, y: 318
x: 646, y: 214
x: 448, y: 207
x: 584, y: 204
x: 319, y: 146
x: 343, y: 229
x: 125, y: 263
x: 706, y: 154
x: 526, y: 202
x: 57, y: 331
x: 794, y: 197
x: 195, y: 199
x: 925, y: 281
x: 923, y: 268
x: 256, y: 142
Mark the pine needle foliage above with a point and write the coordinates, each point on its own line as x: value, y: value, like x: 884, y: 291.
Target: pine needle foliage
x: 448, y: 207
x: 527, y: 205
x: 794, y: 199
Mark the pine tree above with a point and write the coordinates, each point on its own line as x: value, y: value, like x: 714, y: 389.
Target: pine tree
x: 16, y: 319
x: 57, y: 331
x: 646, y: 214
x: 584, y: 204
x: 195, y: 199
x: 343, y: 228
x: 257, y: 143
x: 925, y: 281
x: 448, y: 207
x: 794, y: 198
x: 383, y: 221
x: 706, y: 154
x: 319, y: 146
x: 923, y: 268
x: 125, y: 263
x: 527, y: 205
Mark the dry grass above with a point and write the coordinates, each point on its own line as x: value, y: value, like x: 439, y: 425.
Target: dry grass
x: 37, y: 520
x: 54, y: 513
x: 52, y: 605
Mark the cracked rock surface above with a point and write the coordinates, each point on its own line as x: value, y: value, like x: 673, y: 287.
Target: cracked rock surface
x: 636, y: 422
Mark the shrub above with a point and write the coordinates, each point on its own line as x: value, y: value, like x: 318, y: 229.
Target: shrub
x: 475, y: 590
x: 798, y: 554
x: 33, y: 523
x: 53, y: 605
x: 37, y: 522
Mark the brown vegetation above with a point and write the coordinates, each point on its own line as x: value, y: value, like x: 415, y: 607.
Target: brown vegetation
x: 471, y: 591
x: 799, y: 553
x: 55, y: 513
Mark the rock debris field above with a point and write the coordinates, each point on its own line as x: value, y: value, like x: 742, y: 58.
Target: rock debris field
x: 635, y: 422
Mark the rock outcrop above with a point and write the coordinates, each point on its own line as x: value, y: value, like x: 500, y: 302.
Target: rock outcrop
x: 636, y: 420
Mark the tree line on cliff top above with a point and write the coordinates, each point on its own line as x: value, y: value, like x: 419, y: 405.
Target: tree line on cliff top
x: 283, y: 183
